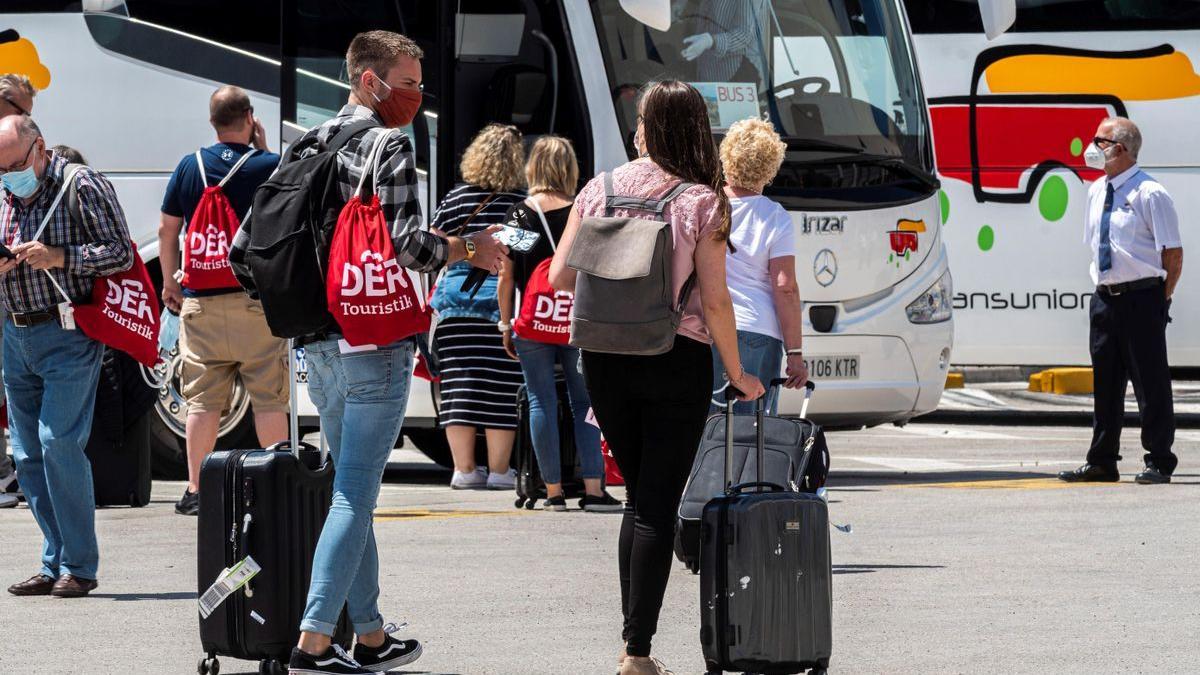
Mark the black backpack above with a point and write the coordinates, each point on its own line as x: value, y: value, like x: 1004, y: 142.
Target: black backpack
x: 291, y: 221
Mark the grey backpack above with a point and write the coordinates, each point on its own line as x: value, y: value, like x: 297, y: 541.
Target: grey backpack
x: 623, y: 298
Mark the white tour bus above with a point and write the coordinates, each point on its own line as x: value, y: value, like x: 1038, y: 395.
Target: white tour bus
x: 1010, y: 122
x: 127, y: 83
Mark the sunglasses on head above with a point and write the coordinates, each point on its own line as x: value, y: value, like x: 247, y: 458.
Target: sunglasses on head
x: 14, y: 104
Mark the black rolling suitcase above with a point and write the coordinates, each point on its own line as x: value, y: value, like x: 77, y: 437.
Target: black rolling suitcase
x: 268, y: 505
x: 786, y: 441
x: 530, y: 486
x: 118, y: 447
x: 766, y: 579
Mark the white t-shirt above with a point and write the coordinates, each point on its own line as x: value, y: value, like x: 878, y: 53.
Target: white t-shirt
x: 762, y: 230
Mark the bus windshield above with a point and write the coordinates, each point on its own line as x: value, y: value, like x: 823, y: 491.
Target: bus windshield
x: 835, y: 77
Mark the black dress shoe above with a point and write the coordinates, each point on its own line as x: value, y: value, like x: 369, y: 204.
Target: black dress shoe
x: 38, y: 584
x: 1152, y: 476
x: 1091, y: 473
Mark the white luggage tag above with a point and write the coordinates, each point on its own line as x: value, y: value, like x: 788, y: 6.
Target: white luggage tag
x: 66, y: 315
x: 229, y: 581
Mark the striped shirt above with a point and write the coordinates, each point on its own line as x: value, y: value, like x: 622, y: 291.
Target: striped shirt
x: 96, y: 246
x: 395, y: 180
x: 453, y: 216
x: 740, y: 30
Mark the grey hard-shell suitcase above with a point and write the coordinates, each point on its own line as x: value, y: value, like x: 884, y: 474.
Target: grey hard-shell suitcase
x: 787, y: 442
x: 766, y: 578
x: 271, y: 505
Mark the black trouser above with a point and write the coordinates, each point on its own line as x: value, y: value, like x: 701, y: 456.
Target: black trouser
x: 1129, y: 342
x: 652, y: 410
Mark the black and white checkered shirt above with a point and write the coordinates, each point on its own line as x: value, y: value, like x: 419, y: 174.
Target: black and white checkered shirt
x: 96, y: 247
x: 396, y: 184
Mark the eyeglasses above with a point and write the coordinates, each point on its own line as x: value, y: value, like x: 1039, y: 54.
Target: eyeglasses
x: 16, y: 106
x: 24, y: 162
x: 1100, y: 139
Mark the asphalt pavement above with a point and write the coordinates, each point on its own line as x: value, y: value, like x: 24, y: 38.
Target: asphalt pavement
x: 966, y: 556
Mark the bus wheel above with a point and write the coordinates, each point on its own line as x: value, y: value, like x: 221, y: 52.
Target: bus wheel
x: 168, y: 447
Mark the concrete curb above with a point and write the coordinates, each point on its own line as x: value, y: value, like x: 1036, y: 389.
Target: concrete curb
x: 1044, y: 418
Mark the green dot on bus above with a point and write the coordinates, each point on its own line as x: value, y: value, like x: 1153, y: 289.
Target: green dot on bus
x: 944, y: 200
x: 1076, y: 146
x: 1052, y: 202
x: 987, y: 238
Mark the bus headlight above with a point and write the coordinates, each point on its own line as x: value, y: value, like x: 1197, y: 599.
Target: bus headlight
x: 934, y: 305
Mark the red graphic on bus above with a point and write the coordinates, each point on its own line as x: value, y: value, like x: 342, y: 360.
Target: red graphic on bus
x: 902, y: 241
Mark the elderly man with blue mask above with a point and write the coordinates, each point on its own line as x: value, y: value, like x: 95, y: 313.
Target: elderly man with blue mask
x: 1137, y: 256
x: 51, y: 368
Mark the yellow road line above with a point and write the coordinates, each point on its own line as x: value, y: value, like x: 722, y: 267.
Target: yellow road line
x: 426, y: 514
x: 1007, y: 484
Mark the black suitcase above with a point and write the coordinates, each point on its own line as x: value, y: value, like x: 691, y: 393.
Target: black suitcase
x: 530, y: 486
x: 766, y: 579
x: 271, y: 505
x: 786, y: 441
x: 118, y: 447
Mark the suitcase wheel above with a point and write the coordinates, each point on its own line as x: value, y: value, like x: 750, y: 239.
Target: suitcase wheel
x: 520, y: 502
x: 209, y: 666
x: 529, y: 505
x: 271, y: 667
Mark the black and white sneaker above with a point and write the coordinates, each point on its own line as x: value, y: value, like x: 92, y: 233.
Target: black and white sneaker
x: 335, y: 661
x: 391, y: 654
x: 558, y: 503
x: 603, y: 503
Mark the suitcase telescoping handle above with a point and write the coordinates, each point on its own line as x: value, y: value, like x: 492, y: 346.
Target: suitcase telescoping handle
x: 760, y: 440
x: 293, y: 444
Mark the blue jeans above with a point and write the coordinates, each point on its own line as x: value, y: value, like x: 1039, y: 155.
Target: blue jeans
x: 50, y: 376
x: 762, y: 357
x: 537, y: 362
x: 361, y: 398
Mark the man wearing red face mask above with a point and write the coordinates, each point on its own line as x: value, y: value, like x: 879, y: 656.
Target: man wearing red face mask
x: 361, y: 393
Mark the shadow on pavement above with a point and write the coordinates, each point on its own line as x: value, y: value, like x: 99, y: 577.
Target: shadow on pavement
x: 869, y: 569
x: 416, y: 474
x: 853, y: 479
x: 126, y: 597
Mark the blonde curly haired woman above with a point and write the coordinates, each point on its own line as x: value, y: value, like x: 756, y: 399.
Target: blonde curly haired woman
x: 762, y: 271
x: 479, y: 382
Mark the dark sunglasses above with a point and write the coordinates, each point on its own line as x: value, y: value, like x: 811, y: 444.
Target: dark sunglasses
x: 1099, y: 139
x: 15, y: 105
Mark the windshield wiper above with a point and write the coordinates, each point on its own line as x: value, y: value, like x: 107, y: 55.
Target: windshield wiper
x: 924, y: 177
x: 818, y: 144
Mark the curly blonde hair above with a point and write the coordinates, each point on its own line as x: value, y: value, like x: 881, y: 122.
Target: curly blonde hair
x: 552, y: 166
x: 495, y: 160
x: 751, y: 153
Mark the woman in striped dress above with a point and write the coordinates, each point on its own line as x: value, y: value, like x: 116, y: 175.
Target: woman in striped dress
x: 479, y: 381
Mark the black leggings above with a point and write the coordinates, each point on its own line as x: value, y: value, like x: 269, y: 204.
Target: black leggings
x: 652, y: 411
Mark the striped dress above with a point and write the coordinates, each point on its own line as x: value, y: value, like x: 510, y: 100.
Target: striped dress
x: 479, y: 381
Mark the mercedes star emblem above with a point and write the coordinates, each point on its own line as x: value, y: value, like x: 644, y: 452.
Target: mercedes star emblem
x: 825, y: 267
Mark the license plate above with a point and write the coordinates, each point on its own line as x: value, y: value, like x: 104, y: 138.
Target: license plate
x: 834, y: 367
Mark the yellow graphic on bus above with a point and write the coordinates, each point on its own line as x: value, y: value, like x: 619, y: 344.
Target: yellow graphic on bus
x: 905, y: 225
x: 19, y: 55
x: 1145, y: 78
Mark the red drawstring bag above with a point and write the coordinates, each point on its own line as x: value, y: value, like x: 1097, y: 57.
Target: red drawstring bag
x: 612, y: 473
x: 123, y: 313
x: 210, y: 232
x: 374, y: 299
x: 545, y: 314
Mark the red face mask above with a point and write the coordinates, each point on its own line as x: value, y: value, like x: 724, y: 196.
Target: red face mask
x: 399, y: 108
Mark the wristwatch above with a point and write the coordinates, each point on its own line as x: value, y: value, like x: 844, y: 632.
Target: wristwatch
x: 795, y: 352
x: 470, y: 246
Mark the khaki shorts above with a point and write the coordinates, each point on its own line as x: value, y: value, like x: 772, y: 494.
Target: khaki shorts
x: 221, y: 337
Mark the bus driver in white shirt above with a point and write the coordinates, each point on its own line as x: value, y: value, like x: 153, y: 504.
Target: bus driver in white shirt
x: 1137, y: 257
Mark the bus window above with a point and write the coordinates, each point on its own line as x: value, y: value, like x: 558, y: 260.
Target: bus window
x: 248, y: 26
x: 959, y: 16
x: 40, y: 6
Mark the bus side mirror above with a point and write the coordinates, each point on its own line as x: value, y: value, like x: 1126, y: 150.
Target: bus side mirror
x: 654, y: 13
x: 998, y: 16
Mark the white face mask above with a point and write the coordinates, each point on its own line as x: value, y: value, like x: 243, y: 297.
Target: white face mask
x: 1094, y: 157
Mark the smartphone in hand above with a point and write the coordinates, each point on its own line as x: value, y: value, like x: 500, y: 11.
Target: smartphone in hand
x: 7, y: 254
x: 517, y: 238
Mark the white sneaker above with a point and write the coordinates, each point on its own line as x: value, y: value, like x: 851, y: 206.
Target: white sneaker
x: 6, y: 482
x: 8, y: 501
x: 502, y: 481
x: 475, y: 480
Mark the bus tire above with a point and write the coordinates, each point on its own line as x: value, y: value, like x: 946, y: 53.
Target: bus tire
x: 168, y: 450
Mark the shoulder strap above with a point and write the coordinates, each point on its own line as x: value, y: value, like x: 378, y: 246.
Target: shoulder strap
x: 241, y: 161
x: 463, y: 228
x: 200, y: 165
x: 545, y: 226
x: 655, y: 206
x: 372, y: 162
x: 67, y: 189
x: 349, y: 131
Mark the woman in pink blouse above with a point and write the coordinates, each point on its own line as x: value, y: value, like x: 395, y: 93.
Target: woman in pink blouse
x: 652, y: 409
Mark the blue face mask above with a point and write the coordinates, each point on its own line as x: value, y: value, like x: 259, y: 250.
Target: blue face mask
x: 21, y: 184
